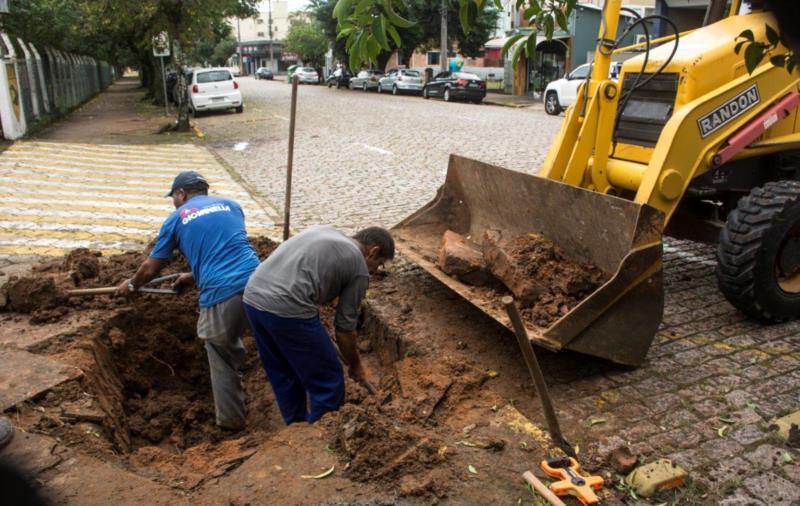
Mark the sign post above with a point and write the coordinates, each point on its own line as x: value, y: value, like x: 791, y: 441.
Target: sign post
x: 161, y: 50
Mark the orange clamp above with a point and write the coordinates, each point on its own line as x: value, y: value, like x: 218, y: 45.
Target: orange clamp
x: 568, y: 471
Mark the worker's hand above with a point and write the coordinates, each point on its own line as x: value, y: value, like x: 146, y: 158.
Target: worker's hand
x: 123, y: 290
x: 184, y: 281
x: 359, y: 374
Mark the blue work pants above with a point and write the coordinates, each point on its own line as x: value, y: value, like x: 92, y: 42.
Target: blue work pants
x: 301, y: 364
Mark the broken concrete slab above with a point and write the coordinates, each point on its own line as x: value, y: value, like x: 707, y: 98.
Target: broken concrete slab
x: 31, y: 454
x: 24, y: 375
x: 789, y: 428
x: 84, y: 480
x: 17, y: 332
x: 463, y: 260
x: 504, y: 267
x: 656, y: 476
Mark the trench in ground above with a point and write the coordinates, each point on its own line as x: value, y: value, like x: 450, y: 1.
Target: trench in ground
x: 145, y: 400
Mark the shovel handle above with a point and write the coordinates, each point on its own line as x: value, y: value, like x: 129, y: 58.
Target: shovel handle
x: 542, y: 489
x: 108, y: 290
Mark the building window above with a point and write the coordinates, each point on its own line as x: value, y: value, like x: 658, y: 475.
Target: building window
x: 260, y: 21
x: 433, y: 57
x: 398, y: 58
x: 260, y: 34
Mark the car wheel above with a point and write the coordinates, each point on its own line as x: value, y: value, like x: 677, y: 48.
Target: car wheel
x: 240, y: 109
x: 425, y: 93
x: 364, y: 87
x: 330, y: 84
x: 551, y: 105
x: 380, y: 89
x: 193, y: 112
x: 446, y: 96
x: 395, y: 90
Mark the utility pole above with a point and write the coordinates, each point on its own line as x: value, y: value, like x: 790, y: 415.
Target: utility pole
x: 239, y: 44
x: 444, y: 50
x: 271, y: 58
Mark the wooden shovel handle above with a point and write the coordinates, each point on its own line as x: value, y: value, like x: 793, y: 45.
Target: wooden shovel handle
x: 108, y: 290
x: 542, y: 489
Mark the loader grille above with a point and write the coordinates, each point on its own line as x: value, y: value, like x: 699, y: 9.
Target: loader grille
x: 648, y: 109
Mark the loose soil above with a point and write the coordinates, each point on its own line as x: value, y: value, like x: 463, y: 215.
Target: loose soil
x: 443, y: 407
x: 546, y: 283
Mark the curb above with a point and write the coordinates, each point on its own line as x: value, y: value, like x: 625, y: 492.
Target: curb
x: 508, y: 104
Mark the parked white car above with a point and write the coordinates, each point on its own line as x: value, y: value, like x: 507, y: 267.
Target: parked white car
x: 562, y: 93
x: 214, y: 89
x: 306, y: 75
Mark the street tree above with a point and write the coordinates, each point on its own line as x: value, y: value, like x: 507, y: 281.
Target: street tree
x: 307, y: 40
x: 367, y: 25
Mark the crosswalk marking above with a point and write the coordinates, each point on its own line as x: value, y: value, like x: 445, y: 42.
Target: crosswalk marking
x: 58, y: 196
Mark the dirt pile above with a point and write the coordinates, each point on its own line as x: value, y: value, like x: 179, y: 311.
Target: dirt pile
x: 544, y: 281
x: 28, y: 294
x: 82, y: 264
x: 43, y: 294
x: 395, y: 436
x: 145, y: 397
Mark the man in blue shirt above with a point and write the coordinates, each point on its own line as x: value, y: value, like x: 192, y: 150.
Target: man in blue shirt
x: 210, y: 233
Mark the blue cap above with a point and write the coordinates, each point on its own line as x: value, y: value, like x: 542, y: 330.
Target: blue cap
x: 188, y: 180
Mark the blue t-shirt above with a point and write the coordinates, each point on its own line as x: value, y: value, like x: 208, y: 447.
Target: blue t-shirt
x: 210, y: 233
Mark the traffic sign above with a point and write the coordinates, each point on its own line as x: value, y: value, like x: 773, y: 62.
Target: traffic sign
x: 161, y: 45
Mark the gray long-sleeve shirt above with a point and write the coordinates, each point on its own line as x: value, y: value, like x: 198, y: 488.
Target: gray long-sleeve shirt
x: 312, y: 268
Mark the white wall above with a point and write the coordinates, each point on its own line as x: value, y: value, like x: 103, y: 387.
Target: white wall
x: 257, y: 28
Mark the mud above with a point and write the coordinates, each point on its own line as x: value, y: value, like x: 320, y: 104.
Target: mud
x: 145, y: 403
x: 546, y: 283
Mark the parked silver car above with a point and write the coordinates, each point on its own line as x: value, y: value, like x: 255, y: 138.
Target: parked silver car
x: 366, y: 80
x: 401, y: 80
x: 306, y: 75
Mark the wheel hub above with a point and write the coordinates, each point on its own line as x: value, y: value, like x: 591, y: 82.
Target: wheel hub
x: 787, y: 262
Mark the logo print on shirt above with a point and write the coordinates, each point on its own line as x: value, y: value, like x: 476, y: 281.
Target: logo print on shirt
x: 188, y: 215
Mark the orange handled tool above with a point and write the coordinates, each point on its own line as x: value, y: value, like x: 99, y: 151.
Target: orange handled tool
x: 567, y: 470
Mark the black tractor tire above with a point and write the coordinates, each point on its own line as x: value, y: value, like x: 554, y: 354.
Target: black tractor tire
x: 758, y: 249
x: 551, y: 104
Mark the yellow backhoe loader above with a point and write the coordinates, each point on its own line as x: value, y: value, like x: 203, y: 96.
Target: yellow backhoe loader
x: 688, y: 142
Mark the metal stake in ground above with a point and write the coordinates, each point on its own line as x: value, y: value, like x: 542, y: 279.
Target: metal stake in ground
x: 538, y: 378
x: 288, y: 202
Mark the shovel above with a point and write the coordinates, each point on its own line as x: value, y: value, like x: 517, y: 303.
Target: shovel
x: 109, y: 290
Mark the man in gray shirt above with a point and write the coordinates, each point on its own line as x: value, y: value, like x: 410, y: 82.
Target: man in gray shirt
x: 282, y: 302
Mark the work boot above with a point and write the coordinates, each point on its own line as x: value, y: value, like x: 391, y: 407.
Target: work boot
x: 6, y: 431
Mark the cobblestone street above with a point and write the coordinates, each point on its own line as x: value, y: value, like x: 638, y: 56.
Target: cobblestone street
x: 364, y: 158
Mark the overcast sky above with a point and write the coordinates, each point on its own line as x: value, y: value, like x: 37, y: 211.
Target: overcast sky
x: 297, y: 4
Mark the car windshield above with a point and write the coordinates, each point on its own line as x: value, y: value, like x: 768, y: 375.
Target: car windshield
x: 466, y: 75
x: 308, y: 69
x: 411, y: 73
x: 363, y: 73
x: 580, y: 72
x: 214, y: 76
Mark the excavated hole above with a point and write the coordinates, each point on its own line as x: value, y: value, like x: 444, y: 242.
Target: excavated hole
x: 146, y: 395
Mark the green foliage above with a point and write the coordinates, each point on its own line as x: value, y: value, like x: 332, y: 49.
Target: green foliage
x: 364, y: 24
x: 755, y: 51
x: 307, y: 40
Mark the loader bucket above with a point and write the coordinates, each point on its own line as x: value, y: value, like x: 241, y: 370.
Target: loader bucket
x: 618, y: 320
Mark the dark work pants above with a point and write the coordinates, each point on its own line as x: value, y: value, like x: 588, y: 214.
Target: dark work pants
x: 301, y: 363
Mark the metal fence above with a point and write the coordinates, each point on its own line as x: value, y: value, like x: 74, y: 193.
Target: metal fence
x: 39, y: 84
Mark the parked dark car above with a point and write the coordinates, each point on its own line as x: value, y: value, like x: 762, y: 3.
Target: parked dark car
x: 339, y: 78
x: 264, y: 73
x: 456, y: 86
